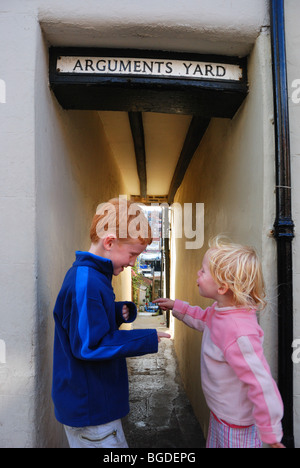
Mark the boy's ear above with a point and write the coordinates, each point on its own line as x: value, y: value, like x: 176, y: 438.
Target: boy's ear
x: 223, y: 288
x: 108, y: 241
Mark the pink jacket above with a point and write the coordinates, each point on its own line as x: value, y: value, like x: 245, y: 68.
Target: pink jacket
x: 235, y: 375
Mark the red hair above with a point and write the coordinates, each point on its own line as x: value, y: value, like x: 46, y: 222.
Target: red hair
x: 123, y: 218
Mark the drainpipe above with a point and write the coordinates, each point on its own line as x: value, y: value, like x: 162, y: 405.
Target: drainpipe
x: 283, y: 225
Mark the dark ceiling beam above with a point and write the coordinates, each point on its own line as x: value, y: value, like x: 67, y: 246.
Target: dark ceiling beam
x: 194, y: 135
x: 137, y: 130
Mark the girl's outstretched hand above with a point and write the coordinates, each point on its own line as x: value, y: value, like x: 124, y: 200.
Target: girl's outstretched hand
x: 164, y: 303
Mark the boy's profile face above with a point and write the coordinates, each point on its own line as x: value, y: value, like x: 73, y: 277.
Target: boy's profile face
x: 124, y: 254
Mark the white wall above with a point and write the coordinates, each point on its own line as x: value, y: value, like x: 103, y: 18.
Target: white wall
x: 206, y: 26
x: 17, y: 224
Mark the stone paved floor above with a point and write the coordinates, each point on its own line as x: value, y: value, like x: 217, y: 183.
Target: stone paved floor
x: 160, y: 413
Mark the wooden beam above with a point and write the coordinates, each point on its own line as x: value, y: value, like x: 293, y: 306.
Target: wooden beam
x: 137, y: 130
x: 194, y: 135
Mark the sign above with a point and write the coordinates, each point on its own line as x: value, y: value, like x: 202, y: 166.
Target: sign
x: 135, y: 80
x: 148, y: 67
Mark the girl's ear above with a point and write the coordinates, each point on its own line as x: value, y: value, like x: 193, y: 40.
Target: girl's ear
x: 109, y: 241
x: 223, y: 289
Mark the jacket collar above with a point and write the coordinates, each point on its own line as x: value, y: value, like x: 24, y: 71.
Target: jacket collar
x: 104, y: 265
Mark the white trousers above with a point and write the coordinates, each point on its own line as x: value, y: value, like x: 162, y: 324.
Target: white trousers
x: 108, y: 435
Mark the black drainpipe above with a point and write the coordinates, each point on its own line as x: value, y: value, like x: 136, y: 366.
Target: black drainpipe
x: 283, y: 226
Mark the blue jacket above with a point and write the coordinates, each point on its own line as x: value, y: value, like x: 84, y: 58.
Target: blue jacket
x: 90, y: 381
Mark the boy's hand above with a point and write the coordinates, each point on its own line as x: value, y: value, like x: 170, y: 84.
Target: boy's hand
x: 277, y: 445
x: 164, y: 303
x: 162, y: 335
x: 125, y: 312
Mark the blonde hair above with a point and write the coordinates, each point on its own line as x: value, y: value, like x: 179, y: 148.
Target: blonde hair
x: 240, y: 269
x: 123, y: 218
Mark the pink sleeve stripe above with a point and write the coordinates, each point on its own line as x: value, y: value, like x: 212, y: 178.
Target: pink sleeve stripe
x: 263, y: 392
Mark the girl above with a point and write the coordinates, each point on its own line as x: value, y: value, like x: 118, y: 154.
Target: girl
x: 245, y: 404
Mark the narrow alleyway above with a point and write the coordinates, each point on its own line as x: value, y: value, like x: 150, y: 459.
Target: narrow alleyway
x: 160, y: 413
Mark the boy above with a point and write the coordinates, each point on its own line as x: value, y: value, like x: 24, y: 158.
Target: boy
x: 90, y: 382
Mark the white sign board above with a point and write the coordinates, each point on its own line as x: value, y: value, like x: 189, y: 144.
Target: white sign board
x: 148, y: 67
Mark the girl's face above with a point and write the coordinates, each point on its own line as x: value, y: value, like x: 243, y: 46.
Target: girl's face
x: 206, y: 284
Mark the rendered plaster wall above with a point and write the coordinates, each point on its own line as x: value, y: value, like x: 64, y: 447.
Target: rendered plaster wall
x: 18, y: 306
x: 209, y: 26
x: 232, y: 173
x: 292, y: 13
